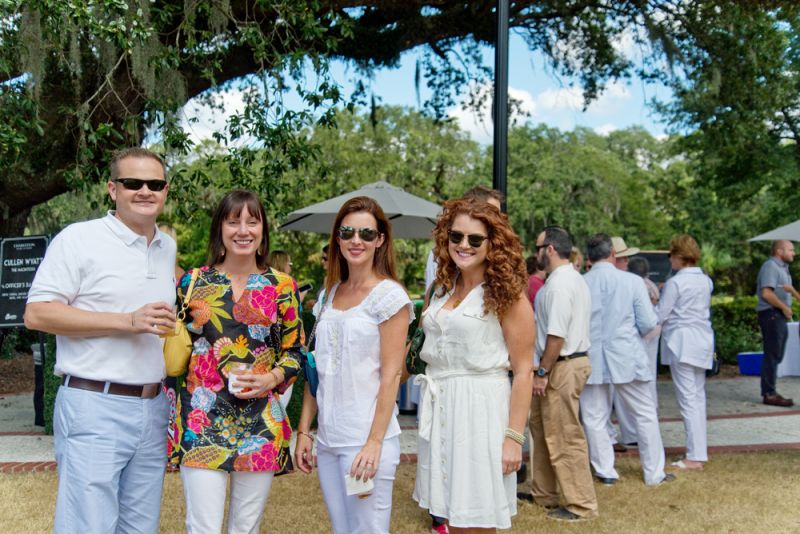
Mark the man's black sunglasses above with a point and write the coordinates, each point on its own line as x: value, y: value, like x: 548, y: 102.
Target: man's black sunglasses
x: 474, y: 240
x: 347, y: 233
x: 134, y: 184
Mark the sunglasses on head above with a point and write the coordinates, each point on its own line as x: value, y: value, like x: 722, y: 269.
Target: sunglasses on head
x: 134, y: 184
x: 474, y: 240
x: 347, y: 233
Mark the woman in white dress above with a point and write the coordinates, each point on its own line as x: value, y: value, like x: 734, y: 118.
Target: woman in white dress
x: 477, y: 328
x: 360, y: 347
x: 687, y: 343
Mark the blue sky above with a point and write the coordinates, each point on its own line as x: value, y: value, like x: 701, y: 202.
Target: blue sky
x: 545, y: 97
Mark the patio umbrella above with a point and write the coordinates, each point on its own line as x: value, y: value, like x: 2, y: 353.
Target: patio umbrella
x: 410, y: 215
x: 790, y: 231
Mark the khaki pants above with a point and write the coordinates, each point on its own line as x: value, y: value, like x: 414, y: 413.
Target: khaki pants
x: 560, y: 453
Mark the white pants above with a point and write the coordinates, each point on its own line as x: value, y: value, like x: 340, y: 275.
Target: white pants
x: 205, y: 490
x: 348, y: 513
x: 690, y: 391
x: 627, y: 424
x: 636, y: 399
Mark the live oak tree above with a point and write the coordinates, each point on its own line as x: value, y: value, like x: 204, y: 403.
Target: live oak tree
x: 80, y: 77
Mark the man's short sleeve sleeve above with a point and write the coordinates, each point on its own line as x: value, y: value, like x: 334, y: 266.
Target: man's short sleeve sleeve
x: 58, y: 276
x: 770, y: 276
x: 559, y: 314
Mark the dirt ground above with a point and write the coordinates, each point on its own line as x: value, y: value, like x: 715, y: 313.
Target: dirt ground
x: 16, y: 375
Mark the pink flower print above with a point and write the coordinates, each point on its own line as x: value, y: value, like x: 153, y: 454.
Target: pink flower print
x: 264, y: 300
x: 290, y: 314
x: 265, y: 459
x: 197, y: 420
x: 206, y: 371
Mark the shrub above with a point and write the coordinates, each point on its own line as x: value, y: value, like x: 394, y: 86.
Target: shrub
x: 51, y: 382
x: 735, y: 327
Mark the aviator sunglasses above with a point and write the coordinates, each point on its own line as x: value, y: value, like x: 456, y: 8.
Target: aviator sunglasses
x: 474, y: 240
x: 134, y: 184
x: 347, y: 233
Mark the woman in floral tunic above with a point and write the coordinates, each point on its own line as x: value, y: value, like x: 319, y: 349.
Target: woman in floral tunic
x: 242, y: 313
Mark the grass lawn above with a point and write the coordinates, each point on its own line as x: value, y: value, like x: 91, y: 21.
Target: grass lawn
x: 748, y: 493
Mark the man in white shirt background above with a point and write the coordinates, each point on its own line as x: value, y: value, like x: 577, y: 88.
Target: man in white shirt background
x: 560, y: 457
x: 106, y: 288
x: 621, y: 314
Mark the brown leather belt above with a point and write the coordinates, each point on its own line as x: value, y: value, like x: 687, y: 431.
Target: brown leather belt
x: 146, y: 391
x: 572, y: 356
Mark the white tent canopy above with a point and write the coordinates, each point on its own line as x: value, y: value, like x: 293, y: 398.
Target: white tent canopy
x: 411, y: 216
x: 790, y: 231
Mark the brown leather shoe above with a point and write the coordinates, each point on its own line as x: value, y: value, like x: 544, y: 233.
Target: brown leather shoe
x: 777, y: 400
x: 619, y: 447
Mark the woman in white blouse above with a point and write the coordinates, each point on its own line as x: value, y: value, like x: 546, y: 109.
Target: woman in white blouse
x: 478, y: 328
x: 687, y: 343
x: 360, y: 347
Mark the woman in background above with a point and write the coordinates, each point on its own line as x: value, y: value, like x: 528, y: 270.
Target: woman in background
x: 360, y: 347
x: 687, y: 343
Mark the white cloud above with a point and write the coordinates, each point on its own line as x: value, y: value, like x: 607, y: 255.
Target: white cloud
x: 565, y: 98
x: 478, y: 123
x: 201, y: 120
x: 606, y: 129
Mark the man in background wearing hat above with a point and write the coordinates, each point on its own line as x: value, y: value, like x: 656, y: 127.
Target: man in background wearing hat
x: 623, y: 252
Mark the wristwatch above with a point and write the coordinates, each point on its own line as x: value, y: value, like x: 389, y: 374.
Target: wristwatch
x: 541, y: 372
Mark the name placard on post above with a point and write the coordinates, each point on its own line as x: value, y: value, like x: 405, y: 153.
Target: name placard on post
x: 19, y: 259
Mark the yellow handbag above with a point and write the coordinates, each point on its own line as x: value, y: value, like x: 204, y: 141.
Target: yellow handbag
x: 178, y: 347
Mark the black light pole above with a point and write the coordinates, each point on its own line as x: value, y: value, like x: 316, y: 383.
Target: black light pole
x: 500, y: 111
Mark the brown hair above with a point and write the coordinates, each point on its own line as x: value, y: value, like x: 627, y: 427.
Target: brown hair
x: 232, y: 204
x: 278, y: 260
x: 134, y: 152
x: 505, y: 278
x: 686, y: 248
x: 383, y: 262
x: 484, y: 194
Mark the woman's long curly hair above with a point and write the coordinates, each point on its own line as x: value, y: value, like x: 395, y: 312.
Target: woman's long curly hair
x: 505, y: 278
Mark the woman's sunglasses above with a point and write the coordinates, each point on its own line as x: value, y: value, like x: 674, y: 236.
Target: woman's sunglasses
x: 474, y: 240
x: 347, y: 233
x: 134, y: 184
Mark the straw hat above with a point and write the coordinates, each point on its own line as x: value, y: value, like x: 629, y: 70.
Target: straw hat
x: 621, y: 249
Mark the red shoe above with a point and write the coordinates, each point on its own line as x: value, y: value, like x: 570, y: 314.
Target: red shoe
x: 440, y: 529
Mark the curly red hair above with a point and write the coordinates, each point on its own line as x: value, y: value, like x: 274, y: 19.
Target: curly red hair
x: 505, y: 278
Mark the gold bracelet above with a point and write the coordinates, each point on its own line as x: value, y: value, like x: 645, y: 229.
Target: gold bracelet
x: 301, y: 433
x: 514, y: 435
x: 278, y: 375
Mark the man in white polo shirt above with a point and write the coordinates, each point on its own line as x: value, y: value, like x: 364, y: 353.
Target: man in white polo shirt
x: 106, y: 288
x: 560, y: 455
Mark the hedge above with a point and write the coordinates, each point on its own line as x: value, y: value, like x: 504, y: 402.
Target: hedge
x: 736, y: 326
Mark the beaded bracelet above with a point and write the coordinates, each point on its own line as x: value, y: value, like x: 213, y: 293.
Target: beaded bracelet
x: 300, y: 432
x: 514, y: 435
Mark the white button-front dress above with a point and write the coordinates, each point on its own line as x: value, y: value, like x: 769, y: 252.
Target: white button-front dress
x: 464, y: 405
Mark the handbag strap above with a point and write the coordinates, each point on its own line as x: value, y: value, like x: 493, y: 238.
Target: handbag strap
x: 429, y: 295
x: 182, y: 313
x: 195, y: 274
x: 313, y: 334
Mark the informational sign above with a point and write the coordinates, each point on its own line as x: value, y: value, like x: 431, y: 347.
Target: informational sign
x: 20, y: 257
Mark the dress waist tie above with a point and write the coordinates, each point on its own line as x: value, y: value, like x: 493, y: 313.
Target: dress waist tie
x: 429, y: 391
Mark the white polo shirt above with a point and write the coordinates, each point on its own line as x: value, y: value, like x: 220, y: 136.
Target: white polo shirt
x: 102, y: 265
x: 563, y: 309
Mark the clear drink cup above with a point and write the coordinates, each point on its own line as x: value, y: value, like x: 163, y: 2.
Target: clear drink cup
x: 237, y: 369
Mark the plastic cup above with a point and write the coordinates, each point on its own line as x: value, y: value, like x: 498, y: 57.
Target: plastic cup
x: 235, y: 370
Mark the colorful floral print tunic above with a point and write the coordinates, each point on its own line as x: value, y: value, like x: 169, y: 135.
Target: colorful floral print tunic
x: 218, y: 430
